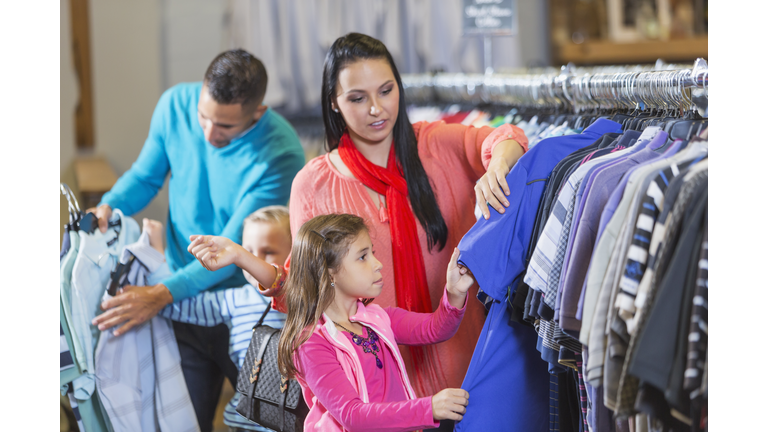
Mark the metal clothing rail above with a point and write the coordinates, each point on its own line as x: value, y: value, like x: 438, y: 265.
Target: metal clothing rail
x: 631, y: 87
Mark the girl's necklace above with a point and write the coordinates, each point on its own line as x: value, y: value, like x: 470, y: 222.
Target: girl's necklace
x: 369, y: 344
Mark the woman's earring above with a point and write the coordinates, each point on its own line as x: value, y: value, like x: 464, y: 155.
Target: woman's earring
x: 333, y: 284
x: 335, y: 110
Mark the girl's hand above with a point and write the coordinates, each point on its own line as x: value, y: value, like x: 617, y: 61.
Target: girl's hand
x: 214, y: 252
x: 450, y: 404
x: 458, y: 280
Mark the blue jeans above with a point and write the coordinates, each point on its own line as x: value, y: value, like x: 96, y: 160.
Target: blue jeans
x: 205, y: 362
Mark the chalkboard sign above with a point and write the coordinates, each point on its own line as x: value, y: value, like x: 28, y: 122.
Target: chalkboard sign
x: 491, y: 17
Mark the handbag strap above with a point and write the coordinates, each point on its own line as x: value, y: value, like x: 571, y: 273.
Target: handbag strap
x: 263, y: 315
x: 260, y: 356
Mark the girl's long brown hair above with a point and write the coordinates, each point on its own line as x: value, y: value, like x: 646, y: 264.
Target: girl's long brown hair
x: 320, y: 245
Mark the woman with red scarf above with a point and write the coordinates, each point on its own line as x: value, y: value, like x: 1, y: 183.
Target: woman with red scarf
x: 415, y: 185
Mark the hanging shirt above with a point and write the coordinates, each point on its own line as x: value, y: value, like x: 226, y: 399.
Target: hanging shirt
x: 96, y: 257
x: 65, y: 296
x: 602, y: 185
x: 138, y: 374
x: 611, y: 221
x: 494, y: 250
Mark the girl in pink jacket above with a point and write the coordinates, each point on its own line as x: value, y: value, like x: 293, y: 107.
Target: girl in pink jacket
x: 341, y: 348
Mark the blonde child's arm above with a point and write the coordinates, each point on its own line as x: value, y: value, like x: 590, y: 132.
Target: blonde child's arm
x: 216, y: 252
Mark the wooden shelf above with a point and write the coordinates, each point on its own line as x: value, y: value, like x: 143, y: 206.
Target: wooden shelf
x: 606, y: 52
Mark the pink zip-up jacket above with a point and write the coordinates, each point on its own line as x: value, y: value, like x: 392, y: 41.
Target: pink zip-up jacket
x: 332, y: 379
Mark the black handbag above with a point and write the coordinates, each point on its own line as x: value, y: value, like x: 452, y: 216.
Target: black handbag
x: 268, y: 398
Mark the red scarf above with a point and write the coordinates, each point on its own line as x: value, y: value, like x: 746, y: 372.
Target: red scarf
x: 411, y: 289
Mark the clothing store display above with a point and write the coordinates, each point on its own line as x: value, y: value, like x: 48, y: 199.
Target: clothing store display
x: 76, y: 380
x: 494, y: 250
x: 138, y: 374
x: 454, y: 157
x: 97, y: 254
x: 584, y: 254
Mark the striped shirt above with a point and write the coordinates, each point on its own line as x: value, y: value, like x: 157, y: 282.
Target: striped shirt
x: 637, y: 254
x: 699, y: 329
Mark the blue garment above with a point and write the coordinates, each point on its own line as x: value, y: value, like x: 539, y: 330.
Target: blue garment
x: 507, y: 382
x: 95, y: 260
x: 138, y: 374
x: 212, y: 190
x: 239, y: 309
x: 65, y: 295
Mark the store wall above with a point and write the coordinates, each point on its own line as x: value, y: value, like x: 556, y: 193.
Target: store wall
x: 125, y: 62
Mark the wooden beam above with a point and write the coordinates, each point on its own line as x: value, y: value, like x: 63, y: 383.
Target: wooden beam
x: 81, y: 53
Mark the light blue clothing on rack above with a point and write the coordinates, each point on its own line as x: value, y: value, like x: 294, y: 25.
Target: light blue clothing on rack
x: 238, y: 308
x: 96, y: 258
x: 65, y: 295
x: 89, y: 412
x: 138, y: 374
x: 212, y: 190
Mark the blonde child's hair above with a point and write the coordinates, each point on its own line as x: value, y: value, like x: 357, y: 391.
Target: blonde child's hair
x: 276, y: 214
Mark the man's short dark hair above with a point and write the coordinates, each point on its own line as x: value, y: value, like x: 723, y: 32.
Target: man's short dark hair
x: 236, y: 76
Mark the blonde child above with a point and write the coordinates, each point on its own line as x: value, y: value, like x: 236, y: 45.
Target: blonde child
x: 341, y: 348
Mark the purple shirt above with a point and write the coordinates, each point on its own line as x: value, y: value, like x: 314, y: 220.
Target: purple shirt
x: 604, y: 182
x: 610, y: 209
x: 624, y: 142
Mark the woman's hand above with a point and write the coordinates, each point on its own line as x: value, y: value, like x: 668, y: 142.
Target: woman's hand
x: 450, y: 404
x: 214, y: 252
x: 492, y: 188
x: 458, y: 280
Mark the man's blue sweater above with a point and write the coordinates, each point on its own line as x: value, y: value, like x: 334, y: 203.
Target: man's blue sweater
x: 212, y: 190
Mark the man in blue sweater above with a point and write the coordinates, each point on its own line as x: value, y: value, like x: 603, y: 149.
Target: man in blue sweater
x: 228, y: 156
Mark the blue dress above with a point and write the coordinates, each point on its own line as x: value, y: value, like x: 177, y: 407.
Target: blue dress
x: 507, y: 381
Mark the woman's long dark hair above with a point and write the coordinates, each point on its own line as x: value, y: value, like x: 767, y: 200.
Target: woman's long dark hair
x: 349, y: 49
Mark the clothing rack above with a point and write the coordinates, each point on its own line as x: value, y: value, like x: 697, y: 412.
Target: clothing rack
x: 662, y: 87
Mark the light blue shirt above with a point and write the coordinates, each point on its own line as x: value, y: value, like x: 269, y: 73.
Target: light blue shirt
x: 96, y: 257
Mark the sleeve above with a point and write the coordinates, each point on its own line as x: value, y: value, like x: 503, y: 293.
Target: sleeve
x: 328, y: 382
x: 473, y: 146
x: 300, y: 209
x: 413, y: 328
x: 206, y: 309
x: 272, y: 189
x: 137, y: 186
x: 494, y: 249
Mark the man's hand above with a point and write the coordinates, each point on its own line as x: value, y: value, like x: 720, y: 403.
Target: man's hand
x: 103, y: 214
x: 132, y: 306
